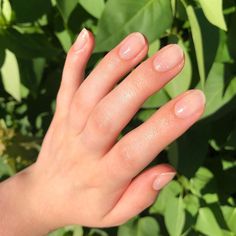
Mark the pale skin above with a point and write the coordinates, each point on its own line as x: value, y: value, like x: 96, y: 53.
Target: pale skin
x: 83, y: 174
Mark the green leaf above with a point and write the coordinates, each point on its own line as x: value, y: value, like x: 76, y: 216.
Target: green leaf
x: 66, y: 8
x: 207, y: 223
x: 147, y: 226
x: 188, y: 152
x: 5, y: 168
x: 216, y: 93
x: 2, y: 55
x: 182, y: 81
x: 27, y: 45
x: 95, y: 232
x: 231, y: 142
x: 93, y: 7
x: 210, y: 40
x: 172, y: 190
x: 11, y: 76
x: 223, y: 52
x: 192, y: 204
x: 197, y: 40
x: 58, y: 232
x: 231, y: 35
x: 30, y: 10
x: 145, y: 114
x: 129, y: 16
x: 128, y: 229
x: 31, y: 72
x: 39, y: 65
x: 202, y: 178
x: 175, y: 216
x: 65, y: 39
x: 154, y: 47
x: 230, y: 217
x: 73, y: 230
x: 213, y: 10
x: 77, y: 230
x: 6, y: 10
x: 156, y: 100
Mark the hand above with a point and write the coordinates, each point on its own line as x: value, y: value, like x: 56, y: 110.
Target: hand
x: 83, y: 175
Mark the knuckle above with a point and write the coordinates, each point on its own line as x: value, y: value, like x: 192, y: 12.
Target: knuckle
x: 101, y: 120
x: 61, y: 95
x: 79, y: 101
x: 126, y: 158
x: 80, y: 105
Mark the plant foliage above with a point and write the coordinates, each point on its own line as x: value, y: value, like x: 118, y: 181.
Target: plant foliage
x: 34, y: 39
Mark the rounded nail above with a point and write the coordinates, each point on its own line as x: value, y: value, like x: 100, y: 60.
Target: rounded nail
x: 162, y: 180
x: 81, y: 40
x: 132, y: 46
x: 189, y: 104
x: 168, y: 58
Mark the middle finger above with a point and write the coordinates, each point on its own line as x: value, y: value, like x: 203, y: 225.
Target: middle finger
x: 116, y: 109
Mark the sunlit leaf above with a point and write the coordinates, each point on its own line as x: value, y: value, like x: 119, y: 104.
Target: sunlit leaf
x: 147, y: 226
x: 94, y: 7
x: 6, y: 10
x: 197, y: 40
x: 11, y: 75
x: 207, y: 223
x: 182, y: 81
x: 217, y: 95
x: 192, y: 204
x: 66, y: 7
x: 172, y: 190
x: 202, y: 177
x: 151, y: 17
x: 175, y: 216
x: 156, y: 100
x: 213, y: 9
x: 230, y: 217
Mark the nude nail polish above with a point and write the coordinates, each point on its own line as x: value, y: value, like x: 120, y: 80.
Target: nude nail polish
x: 191, y: 103
x: 168, y: 58
x: 162, y: 180
x: 81, y: 40
x: 132, y: 46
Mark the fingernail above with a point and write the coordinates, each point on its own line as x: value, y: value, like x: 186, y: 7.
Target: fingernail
x: 132, y: 46
x: 162, y: 180
x: 168, y: 58
x: 190, y: 104
x: 81, y: 40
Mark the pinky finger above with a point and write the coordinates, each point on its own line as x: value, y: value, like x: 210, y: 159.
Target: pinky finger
x: 140, y: 194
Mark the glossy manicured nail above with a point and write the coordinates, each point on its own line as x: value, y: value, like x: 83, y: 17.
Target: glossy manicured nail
x: 132, y: 46
x: 189, y: 104
x: 81, y: 40
x: 168, y: 58
x: 162, y: 180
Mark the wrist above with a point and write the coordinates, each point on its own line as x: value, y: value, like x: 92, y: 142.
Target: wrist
x: 18, y: 213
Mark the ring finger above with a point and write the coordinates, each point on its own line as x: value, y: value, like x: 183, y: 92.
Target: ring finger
x: 140, y: 146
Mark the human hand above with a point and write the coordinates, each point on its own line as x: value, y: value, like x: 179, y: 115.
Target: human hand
x: 83, y: 175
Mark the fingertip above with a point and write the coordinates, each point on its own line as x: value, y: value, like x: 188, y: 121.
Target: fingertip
x: 193, y: 102
x: 161, y: 180
x: 84, y: 42
x: 132, y: 46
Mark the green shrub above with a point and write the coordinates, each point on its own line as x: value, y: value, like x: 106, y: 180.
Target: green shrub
x: 34, y: 39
